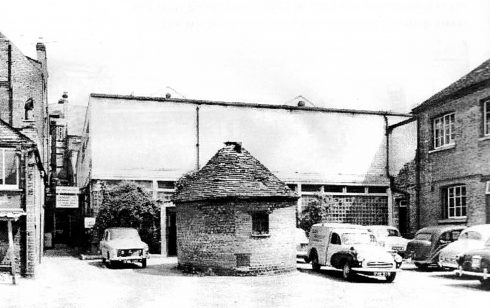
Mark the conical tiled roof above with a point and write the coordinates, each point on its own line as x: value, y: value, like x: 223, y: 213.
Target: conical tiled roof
x: 479, y: 75
x: 233, y: 173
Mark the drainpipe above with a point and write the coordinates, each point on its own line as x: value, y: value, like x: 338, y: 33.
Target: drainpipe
x: 11, y: 93
x: 197, y: 138
x: 417, y: 175
x: 387, y: 170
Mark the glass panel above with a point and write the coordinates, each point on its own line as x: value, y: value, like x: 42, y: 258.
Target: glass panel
x: 451, y: 212
x: 10, y: 168
x: 166, y: 184
x: 1, y: 166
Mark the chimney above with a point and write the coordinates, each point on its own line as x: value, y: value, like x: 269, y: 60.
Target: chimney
x: 237, y: 145
x: 42, y: 57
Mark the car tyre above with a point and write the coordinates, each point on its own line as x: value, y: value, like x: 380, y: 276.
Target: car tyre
x: 143, y: 263
x: 390, y: 277
x: 347, y: 272
x: 307, y: 260
x: 422, y: 267
x: 485, y: 283
x: 314, y: 262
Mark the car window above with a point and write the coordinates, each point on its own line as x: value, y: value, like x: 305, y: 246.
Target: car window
x: 470, y: 235
x: 455, y: 234
x: 445, y: 237
x: 423, y: 237
x: 393, y: 232
x: 487, y: 243
x: 335, y: 239
x: 123, y: 234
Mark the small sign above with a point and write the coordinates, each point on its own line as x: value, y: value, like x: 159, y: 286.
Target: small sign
x: 89, y: 222
x: 67, y: 190
x: 66, y: 201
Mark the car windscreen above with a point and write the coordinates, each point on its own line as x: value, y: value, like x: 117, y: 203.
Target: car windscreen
x: 358, y: 238
x: 118, y: 234
x: 423, y: 237
x: 470, y: 235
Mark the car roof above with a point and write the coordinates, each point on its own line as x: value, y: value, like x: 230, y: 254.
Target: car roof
x: 483, y: 229
x: 338, y: 225
x: 120, y: 228
x: 381, y: 227
x: 440, y: 229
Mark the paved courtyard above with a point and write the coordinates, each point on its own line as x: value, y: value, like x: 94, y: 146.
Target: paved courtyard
x: 66, y: 281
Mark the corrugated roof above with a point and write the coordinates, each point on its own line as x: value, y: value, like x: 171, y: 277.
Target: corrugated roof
x: 233, y: 173
x: 9, y: 135
x: 474, y: 78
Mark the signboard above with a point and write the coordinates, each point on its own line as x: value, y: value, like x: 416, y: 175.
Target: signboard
x: 89, y: 222
x: 67, y: 190
x: 67, y: 197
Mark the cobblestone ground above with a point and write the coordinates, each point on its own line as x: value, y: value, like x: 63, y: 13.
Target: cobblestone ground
x: 66, y: 281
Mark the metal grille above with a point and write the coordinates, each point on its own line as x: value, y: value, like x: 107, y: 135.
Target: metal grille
x: 380, y: 264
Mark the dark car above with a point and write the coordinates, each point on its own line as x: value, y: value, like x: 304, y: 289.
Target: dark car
x: 476, y: 263
x: 424, y: 249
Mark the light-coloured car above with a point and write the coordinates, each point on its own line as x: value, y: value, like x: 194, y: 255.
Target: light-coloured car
x: 471, y: 238
x: 123, y: 245
x: 352, y: 249
x: 390, y: 238
x: 301, y: 244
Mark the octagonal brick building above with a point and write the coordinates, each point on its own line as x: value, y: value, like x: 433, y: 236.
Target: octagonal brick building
x: 234, y: 217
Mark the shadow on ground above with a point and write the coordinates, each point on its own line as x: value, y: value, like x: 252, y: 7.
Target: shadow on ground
x: 337, y: 276
x: 166, y: 269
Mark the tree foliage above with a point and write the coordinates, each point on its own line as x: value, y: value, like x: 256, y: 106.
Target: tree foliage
x: 315, y: 211
x: 129, y: 205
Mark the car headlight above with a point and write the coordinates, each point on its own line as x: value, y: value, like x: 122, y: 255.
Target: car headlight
x: 382, y: 244
x: 398, y: 259
x: 360, y: 257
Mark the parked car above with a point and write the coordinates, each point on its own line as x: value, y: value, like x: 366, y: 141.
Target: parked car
x: 352, y: 249
x: 124, y: 245
x: 424, y: 249
x: 471, y: 238
x: 390, y: 238
x: 301, y: 244
x: 476, y: 263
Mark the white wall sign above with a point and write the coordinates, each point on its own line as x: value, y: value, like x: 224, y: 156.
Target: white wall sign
x: 67, y: 197
x: 89, y: 222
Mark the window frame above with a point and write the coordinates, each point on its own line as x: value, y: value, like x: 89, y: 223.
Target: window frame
x: 447, y: 128
x: 454, y: 198
x: 258, y: 222
x: 4, y: 186
x: 486, y: 118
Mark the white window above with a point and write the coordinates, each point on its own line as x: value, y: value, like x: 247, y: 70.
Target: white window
x: 455, y: 201
x: 443, y: 128
x: 9, y: 169
x: 486, y: 117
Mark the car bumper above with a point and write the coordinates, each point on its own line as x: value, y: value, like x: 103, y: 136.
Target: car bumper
x: 301, y: 254
x: 129, y: 258
x: 484, y: 275
x: 374, y: 270
x: 448, y: 264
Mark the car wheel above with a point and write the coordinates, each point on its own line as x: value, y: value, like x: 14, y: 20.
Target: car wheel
x: 143, y: 263
x: 422, y: 267
x: 314, y: 262
x: 307, y: 260
x: 347, y: 272
x: 485, y: 283
x: 390, y: 277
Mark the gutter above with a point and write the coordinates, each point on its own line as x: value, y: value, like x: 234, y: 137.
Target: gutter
x: 252, y: 105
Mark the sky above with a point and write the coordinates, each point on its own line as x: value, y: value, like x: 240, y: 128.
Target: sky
x: 377, y: 55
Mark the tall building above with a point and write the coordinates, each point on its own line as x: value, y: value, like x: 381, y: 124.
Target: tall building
x: 23, y: 155
x: 452, y: 167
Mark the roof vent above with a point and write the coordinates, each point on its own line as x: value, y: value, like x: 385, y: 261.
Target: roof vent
x: 168, y: 95
x: 301, y: 103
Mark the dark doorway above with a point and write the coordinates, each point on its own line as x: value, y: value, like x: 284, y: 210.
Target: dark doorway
x: 402, y: 216
x: 487, y: 205
x: 171, y: 232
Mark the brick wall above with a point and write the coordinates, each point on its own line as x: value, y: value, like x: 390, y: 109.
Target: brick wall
x: 466, y: 163
x: 213, y: 235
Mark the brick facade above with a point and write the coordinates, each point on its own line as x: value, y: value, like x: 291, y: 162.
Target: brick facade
x: 221, y: 232
x: 465, y: 161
